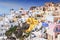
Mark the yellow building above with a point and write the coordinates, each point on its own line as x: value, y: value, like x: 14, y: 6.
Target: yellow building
x: 33, y: 22
x: 15, y: 19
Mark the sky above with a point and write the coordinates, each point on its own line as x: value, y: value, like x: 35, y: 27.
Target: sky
x: 6, y: 5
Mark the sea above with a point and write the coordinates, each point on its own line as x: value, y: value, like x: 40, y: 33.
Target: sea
x: 3, y: 14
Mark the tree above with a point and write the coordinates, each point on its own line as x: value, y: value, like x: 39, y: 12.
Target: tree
x: 10, y: 31
x: 18, y: 31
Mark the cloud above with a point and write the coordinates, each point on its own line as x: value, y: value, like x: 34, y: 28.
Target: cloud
x: 9, y: 5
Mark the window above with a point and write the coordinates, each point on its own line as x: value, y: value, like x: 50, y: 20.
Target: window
x: 2, y: 25
x: 20, y: 11
x: 57, y: 28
